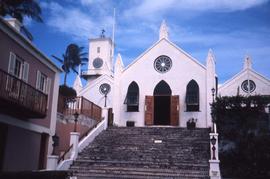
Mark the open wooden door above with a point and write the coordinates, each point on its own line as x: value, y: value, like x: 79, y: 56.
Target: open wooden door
x: 175, y: 110
x: 149, y: 110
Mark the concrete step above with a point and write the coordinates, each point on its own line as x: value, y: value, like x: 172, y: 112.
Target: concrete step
x: 122, y: 152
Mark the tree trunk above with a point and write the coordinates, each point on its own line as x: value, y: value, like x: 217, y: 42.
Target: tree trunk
x: 65, y: 79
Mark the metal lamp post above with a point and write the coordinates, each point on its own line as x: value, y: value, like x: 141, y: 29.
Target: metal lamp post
x: 213, y: 93
x: 76, y: 115
x: 213, y: 120
x: 55, y: 139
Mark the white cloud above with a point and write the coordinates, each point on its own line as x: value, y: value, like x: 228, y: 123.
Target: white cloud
x: 87, y: 2
x: 151, y: 9
x: 134, y: 35
x: 75, y: 22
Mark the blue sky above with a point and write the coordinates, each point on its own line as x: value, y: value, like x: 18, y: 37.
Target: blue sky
x: 231, y: 28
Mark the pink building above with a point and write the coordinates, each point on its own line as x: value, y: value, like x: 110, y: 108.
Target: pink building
x: 29, y: 83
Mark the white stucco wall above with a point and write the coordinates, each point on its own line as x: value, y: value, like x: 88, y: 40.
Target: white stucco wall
x: 105, y: 53
x: 142, y: 71
x: 230, y: 87
x: 92, y: 93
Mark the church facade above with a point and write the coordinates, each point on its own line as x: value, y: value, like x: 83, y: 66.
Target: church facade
x: 246, y: 82
x: 163, y: 86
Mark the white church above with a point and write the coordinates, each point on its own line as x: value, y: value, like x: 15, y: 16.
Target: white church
x: 163, y: 86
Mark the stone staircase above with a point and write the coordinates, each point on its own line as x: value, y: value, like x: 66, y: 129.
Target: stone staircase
x: 145, y: 152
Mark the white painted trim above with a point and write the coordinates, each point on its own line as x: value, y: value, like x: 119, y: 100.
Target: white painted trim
x: 172, y: 44
x: 242, y: 72
x: 53, y: 117
x: 64, y: 165
x: 92, y: 135
x: 27, y: 45
x: 22, y: 124
x: 95, y: 82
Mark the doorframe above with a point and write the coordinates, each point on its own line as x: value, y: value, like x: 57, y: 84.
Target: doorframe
x: 174, y: 110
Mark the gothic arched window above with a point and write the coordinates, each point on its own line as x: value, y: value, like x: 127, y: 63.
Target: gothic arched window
x: 192, y: 96
x: 132, y: 97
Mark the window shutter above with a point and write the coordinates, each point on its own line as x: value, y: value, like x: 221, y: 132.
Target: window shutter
x: 25, y: 71
x: 149, y: 110
x: 174, y: 111
x: 38, y: 79
x: 12, y: 61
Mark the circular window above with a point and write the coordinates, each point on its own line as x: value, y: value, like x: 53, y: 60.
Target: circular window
x: 105, y: 88
x: 163, y: 64
x: 248, y: 86
x: 98, y: 62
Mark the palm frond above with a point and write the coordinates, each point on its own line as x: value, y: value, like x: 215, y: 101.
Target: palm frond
x: 74, y: 69
x: 59, y: 59
x: 26, y: 33
x: 84, y: 59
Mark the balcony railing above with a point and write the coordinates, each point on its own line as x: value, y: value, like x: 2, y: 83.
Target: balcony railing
x: 68, y: 106
x: 19, y: 99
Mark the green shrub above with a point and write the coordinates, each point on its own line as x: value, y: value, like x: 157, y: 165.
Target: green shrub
x: 243, y: 127
x: 66, y: 91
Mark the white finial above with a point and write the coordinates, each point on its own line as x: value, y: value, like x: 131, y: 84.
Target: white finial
x: 119, y: 61
x: 163, y: 31
x: 247, y: 62
x: 211, y: 56
x: 118, y: 66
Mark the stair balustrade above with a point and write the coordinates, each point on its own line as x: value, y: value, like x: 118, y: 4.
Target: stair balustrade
x: 68, y: 106
x: 214, y: 171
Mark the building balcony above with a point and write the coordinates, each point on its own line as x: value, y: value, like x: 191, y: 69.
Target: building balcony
x: 94, y: 73
x: 19, y: 99
x: 81, y: 105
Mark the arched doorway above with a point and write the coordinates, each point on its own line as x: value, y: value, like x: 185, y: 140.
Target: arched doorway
x: 162, y: 104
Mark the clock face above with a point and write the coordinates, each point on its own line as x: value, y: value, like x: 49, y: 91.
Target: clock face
x: 248, y: 86
x: 163, y: 64
x: 98, y: 62
x: 105, y: 88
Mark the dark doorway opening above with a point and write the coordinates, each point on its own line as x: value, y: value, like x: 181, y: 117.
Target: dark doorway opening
x: 162, y: 104
x: 162, y: 110
x: 3, y: 138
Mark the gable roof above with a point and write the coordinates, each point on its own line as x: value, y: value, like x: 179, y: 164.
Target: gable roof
x: 28, y: 45
x: 242, y: 72
x: 170, y: 43
x: 96, y: 81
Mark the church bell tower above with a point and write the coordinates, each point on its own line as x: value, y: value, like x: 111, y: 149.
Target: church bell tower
x: 100, y: 58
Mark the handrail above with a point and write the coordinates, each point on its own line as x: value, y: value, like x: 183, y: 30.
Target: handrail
x: 19, y: 92
x: 68, y: 106
x: 62, y: 157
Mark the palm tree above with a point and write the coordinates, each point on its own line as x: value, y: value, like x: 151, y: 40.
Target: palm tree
x: 72, y: 58
x: 19, y: 9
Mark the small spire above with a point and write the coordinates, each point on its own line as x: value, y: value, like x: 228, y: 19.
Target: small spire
x: 118, y: 66
x: 211, y: 56
x: 119, y: 60
x: 163, y: 31
x: 247, y: 62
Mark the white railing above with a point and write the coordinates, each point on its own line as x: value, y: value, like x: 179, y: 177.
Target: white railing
x: 214, y: 171
x: 77, y: 146
x: 65, y: 164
